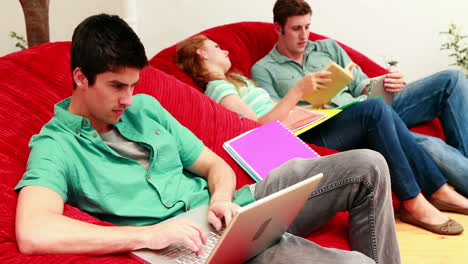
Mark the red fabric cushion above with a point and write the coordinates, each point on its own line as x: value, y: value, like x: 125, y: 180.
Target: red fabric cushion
x: 432, y: 128
x: 28, y: 93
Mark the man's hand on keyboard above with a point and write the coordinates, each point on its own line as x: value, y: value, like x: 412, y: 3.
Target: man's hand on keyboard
x: 220, y: 209
x: 161, y: 235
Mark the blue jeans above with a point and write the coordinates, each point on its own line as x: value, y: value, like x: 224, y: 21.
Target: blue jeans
x: 453, y: 165
x: 373, y: 124
x: 443, y: 95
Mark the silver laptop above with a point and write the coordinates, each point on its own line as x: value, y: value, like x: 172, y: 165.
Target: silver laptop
x: 253, y: 228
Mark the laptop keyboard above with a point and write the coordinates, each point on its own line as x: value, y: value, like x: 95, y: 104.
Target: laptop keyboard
x: 183, y: 254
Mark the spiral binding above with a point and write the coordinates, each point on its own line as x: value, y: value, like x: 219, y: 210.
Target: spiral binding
x: 311, y: 149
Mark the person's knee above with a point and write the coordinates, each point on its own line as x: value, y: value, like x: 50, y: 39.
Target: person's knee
x: 370, y: 157
x: 378, y: 110
x: 452, y: 74
x: 289, y: 173
x: 377, y: 103
x: 428, y: 142
x: 360, y: 258
x: 374, y: 165
x: 450, y: 78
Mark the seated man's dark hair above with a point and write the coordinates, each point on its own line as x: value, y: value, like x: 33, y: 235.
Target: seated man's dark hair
x: 104, y: 43
x: 283, y: 9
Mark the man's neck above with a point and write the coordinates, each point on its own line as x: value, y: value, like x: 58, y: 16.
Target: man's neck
x: 297, y: 57
x: 76, y: 107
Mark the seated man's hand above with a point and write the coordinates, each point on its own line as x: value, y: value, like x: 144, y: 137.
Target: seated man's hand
x: 314, y: 81
x: 220, y: 209
x: 161, y: 235
x: 394, y: 82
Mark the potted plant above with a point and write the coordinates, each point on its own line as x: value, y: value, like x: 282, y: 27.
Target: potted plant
x: 457, y: 46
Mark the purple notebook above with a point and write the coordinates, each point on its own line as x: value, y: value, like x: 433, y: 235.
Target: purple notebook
x: 265, y: 148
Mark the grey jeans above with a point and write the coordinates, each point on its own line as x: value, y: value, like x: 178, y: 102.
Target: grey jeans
x: 356, y: 181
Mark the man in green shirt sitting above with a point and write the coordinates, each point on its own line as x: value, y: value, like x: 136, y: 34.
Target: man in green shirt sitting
x: 126, y: 160
x: 443, y: 94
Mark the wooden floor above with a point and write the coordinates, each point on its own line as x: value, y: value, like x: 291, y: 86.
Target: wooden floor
x: 420, y: 246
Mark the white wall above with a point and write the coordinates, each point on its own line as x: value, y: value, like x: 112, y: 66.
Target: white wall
x: 405, y: 29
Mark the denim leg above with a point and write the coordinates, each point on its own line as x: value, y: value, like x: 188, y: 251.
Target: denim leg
x: 451, y: 163
x: 444, y: 95
x: 370, y: 124
x: 373, y: 124
x: 356, y: 181
x: 427, y: 174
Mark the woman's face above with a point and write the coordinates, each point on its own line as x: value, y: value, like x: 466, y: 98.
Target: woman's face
x: 215, y: 56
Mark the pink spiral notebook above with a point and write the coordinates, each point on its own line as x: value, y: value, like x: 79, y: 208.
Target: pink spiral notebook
x: 265, y: 148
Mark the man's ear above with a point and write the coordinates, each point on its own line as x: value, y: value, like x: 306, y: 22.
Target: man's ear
x: 278, y: 29
x: 201, y: 53
x: 79, y: 78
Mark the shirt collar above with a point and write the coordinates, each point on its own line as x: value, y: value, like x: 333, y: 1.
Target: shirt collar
x: 74, y: 122
x: 311, y: 46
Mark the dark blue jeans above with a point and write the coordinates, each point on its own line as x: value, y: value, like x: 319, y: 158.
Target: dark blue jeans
x: 374, y: 125
x: 444, y: 95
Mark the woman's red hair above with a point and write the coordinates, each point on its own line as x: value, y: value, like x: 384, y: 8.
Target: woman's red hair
x: 190, y: 62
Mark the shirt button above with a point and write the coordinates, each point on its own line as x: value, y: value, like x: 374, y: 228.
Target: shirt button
x: 85, y: 122
x: 94, y: 134
x: 77, y: 131
x: 168, y: 203
x: 188, y: 208
x: 157, y: 132
x: 148, y: 176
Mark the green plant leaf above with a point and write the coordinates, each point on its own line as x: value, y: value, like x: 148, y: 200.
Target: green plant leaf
x: 456, y: 47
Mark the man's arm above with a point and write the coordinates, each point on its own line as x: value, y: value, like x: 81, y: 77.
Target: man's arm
x: 41, y: 228
x: 290, y: 96
x: 393, y: 82
x: 360, y: 83
x: 221, y: 182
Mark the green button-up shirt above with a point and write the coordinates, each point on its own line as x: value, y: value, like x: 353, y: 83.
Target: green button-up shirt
x: 278, y: 74
x: 69, y: 157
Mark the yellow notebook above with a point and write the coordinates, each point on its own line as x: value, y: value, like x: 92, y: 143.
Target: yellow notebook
x: 340, y: 79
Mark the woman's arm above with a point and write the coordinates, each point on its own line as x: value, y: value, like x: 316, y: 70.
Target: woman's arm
x: 234, y: 103
x: 308, y: 84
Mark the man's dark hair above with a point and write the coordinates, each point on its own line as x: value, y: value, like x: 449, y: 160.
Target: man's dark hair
x: 103, y: 43
x: 284, y: 9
